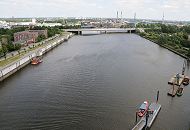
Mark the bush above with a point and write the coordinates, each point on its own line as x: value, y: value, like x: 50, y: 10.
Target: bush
x: 1, y: 52
x: 41, y: 38
x: 10, y: 47
x: 188, y: 53
x: 5, y: 50
x: 17, y: 46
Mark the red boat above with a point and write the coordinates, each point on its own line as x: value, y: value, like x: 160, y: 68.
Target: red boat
x: 143, y: 109
x: 36, y: 61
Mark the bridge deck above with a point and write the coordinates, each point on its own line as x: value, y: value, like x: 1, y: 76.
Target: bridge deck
x: 102, y: 29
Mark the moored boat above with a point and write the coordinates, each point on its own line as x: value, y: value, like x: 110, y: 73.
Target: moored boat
x: 143, y: 109
x: 180, y: 91
x: 36, y: 61
x: 186, y: 81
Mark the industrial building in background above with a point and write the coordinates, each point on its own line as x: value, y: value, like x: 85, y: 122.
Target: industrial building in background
x: 29, y: 36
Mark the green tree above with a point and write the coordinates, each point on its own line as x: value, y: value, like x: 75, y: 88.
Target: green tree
x: 1, y: 52
x: 162, y: 39
x: 169, y: 28
x: 5, y: 50
x: 186, y: 29
x: 10, y: 32
x: 41, y: 38
x: 17, y: 46
x: 188, y: 53
x: 10, y: 47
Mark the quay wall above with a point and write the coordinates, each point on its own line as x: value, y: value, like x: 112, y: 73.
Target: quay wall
x: 19, y: 64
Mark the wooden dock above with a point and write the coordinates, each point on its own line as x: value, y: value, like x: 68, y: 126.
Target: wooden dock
x: 173, y: 80
x: 173, y: 90
x: 155, y: 107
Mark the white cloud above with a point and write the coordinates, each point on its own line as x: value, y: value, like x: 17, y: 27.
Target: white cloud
x: 155, y: 8
x: 97, y: 8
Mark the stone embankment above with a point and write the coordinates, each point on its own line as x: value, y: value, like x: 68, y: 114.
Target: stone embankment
x: 26, y: 59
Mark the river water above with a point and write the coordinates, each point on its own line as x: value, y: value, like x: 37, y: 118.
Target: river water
x: 95, y: 83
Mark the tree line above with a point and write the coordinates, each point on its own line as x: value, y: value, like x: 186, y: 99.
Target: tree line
x: 172, y: 36
x: 9, y: 34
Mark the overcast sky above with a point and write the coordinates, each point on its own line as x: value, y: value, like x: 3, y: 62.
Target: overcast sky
x: 151, y: 9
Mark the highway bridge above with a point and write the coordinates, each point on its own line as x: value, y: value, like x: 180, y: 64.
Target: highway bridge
x: 101, y: 30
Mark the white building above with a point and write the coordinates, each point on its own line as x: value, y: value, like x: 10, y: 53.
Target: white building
x: 4, y: 24
x: 24, y: 23
x: 49, y: 24
x: 34, y: 21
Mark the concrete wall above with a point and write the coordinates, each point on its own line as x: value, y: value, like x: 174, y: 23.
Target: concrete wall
x: 12, y: 68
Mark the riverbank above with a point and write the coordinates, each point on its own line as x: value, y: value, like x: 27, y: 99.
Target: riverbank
x: 24, y: 60
x: 167, y: 47
x: 174, y: 51
x: 13, y: 56
x: 100, y: 78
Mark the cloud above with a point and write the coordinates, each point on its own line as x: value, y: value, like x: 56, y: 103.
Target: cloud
x: 153, y: 9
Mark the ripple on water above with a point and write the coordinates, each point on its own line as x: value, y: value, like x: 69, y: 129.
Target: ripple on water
x: 94, y: 82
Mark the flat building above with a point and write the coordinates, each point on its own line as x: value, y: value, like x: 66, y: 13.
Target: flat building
x: 29, y: 36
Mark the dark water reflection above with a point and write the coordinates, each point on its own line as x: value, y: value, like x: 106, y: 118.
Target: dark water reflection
x: 94, y: 82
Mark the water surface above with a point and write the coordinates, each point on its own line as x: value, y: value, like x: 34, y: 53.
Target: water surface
x: 95, y: 82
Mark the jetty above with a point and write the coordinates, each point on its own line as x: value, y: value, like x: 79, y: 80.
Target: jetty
x: 155, y: 107
x: 177, y: 82
x: 174, y: 80
x: 173, y: 90
x: 147, y: 120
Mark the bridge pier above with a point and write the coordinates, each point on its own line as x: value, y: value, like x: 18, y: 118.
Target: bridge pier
x: 79, y: 33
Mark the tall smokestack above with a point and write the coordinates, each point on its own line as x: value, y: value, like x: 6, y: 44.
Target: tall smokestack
x: 117, y: 15
x: 135, y: 15
x: 121, y: 17
x: 163, y: 18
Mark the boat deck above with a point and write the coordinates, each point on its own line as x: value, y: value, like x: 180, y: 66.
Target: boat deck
x: 173, y: 80
x: 173, y: 90
x: 140, y: 125
x: 154, y: 107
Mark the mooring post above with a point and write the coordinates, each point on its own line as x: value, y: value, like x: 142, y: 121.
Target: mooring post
x: 158, y: 93
x: 184, y: 66
x: 136, y: 117
x: 147, y: 116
